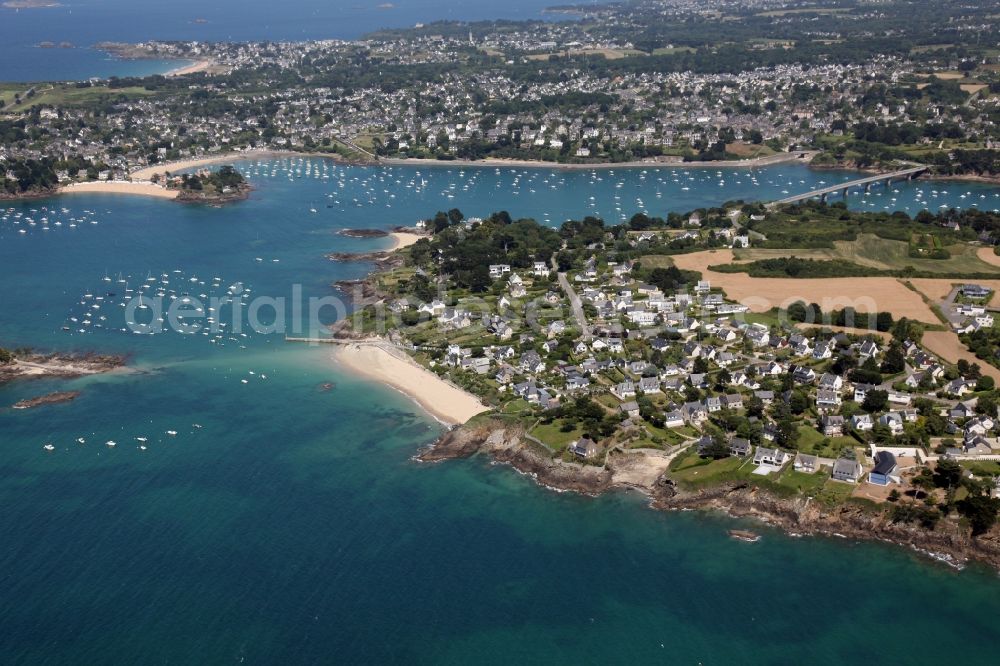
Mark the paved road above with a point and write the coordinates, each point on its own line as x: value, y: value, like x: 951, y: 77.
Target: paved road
x: 574, y: 303
x: 860, y: 182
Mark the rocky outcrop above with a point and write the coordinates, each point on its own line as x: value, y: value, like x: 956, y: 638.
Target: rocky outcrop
x: 33, y: 193
x: 27, y: 365
x: 361, y: 292
x: 506, y: 444
x: 363, y: 233
x: 949, y: 542
x: 50, y: 399
x: 385, y: 260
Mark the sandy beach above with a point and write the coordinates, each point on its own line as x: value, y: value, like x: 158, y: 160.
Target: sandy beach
x: 221, y: 158
x: 147, y: 173
x: 193, y: 68
x: 382, y: 362
x: 145, y: 189
x: 780, y: 158
x: 401, y: 239
x: 182, y: 165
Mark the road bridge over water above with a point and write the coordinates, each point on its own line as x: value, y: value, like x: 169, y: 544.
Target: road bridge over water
x: 865, y: 183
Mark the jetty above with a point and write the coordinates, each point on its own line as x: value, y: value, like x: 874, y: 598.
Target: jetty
x: 328, y: 341
x: 864, y: 183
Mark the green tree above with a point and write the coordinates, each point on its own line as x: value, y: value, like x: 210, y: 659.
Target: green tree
x: 788, y: 434
x: 717, y: 450
x: 947, y: 473
x: 894, y: 361
x: 987, y: 404
x: 875, y: 401
x: 981, y: 512
x: 798, y: 402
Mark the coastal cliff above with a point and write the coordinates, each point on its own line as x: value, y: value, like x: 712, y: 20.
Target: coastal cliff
x: 950, y: 542
x: 506, y: 444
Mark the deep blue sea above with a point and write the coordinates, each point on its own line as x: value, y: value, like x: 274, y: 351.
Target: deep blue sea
x: 87, y: 22
x: 292, y: 526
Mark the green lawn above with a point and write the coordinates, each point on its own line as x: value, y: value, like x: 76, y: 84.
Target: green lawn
x: 70, y: 95
x: 656, y: 261
x: 693, y: 471
x: 801, y: 482
x: 516, y: 406
x: 670, y: 437
x: 609, y: 401
x: 670, y: 50
x: 809, y: 438
x: 554, y: 437
x: 983, y: 467
x: 770, y: 318
x: 834, y: 492
x: 835, y: 446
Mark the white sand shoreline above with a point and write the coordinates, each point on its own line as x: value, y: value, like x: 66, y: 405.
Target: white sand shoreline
x: 380, y: 361
x: 401, y: 239
x: 147, y: 173
x: 143, y: 188
x: 191, y: 68
x: 180, y: 165
x: 651, y: 163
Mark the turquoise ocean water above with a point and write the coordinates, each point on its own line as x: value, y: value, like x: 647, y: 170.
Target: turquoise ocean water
x: 292, y: 526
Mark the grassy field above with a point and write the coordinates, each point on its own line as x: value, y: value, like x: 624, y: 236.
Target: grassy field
x: 7, y: 92
x: 833, y: 492
x: 366, y: 141
x: 748, y: 150
x: 670, y: 50
x: 814, y: 442
x: 517, y: 407
x: 693, y: 471
x: 609, y: 54
x: 817, y: 10
x: 66, y: 95
x: 882, y: 254
x: 769, y: 318
x: 656, y: 261
x: 809, y: 437
x: 801, y: 482
x: 983, y: 467
x: 554, y: 437
x: 930, y: 47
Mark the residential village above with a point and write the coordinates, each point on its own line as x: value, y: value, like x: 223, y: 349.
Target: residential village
x: 481, y: 91
x: 732, y: 394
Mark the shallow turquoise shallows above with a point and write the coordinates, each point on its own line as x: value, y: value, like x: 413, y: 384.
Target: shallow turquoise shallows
x: 285, y: 522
